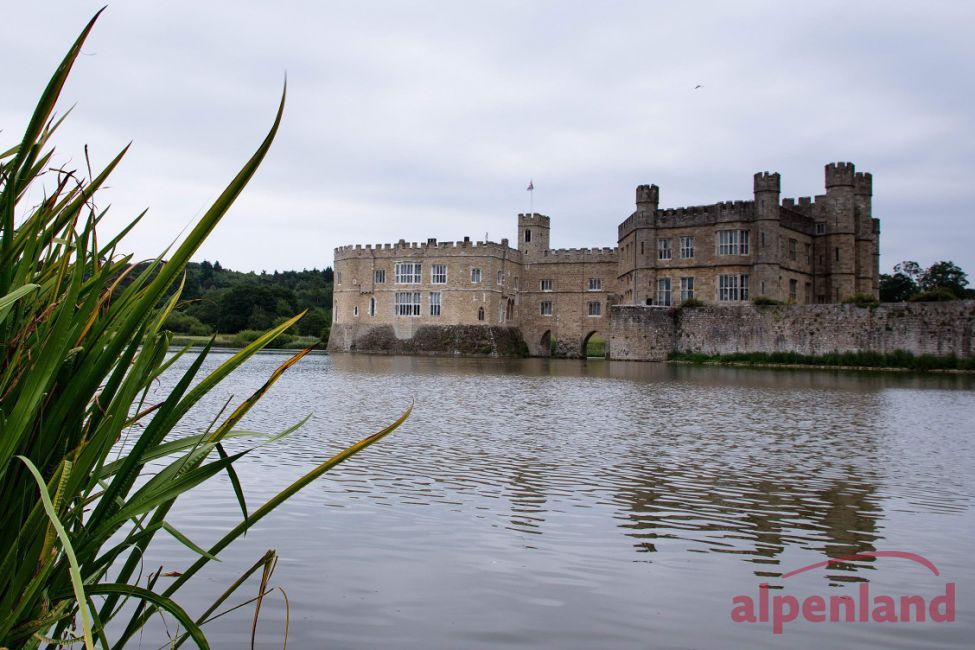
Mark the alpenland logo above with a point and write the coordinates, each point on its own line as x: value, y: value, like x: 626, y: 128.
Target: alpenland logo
x: 860, y: 607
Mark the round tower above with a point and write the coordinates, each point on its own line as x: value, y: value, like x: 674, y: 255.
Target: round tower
x: 533, y: 234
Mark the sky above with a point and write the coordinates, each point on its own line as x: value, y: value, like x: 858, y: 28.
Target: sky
x: 429, y: 119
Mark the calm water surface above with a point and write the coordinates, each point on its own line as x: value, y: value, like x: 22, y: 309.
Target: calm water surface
x: 573, y: 504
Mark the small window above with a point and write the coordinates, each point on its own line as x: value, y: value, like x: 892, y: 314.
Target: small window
x: 372, y: 306
x: 686, y: 247
x: 821, y: 228
x: 546, y: 285
x: 338, y: 278
x: 379, y: 276
x: 475, y: 276
x: 438, y: 274
x: 663, y: 291
x: 641, y: 248
x: 837, y: 253
x: 435, y: 303
x: 355, y: 311
x: 595, y: 308
x: 793, y: 291
x: 663, y: 249
x: 793, y: 249
x: 809, y: 254
x: 545, y: 308
x: 595, y: 284
x: 528, y: 235
x: 480, y: 313
x: 500, y: 278
x: 686, y: 289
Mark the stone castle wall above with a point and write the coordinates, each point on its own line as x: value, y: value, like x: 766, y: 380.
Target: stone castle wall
x: 434, y: 340
x: 650, y: 333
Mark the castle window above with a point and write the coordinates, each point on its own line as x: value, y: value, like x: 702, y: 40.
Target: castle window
x: 407, y: 303
x: 338, y: 278
x: 686, y: 289
x: 528, y: 235
x: 475, y: 276
x: 480, y: 313
x: 355, y: 311
x: 595, y: 308
x: 408, y: 273
x: 595, y: 284
x: 793, y: 249
x: 435, y: 303
x: 732, y: 242
x: 663, y: 249
x: 546, y: 285
x: 821, y: 228
x: 663, y: 291
x: 686, y: 247
x: 808, y: 253
x: 379, y: 275
x: 372, y: 306
x: 438, y: 274
x: 545, y: 308
x: 733, y: 288
x: 641, y: 248
x: 837, y: 253
x: 793, y: 291
x: 500, y: 277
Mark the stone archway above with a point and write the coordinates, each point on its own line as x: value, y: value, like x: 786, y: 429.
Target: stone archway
x: 594, y: 345
x: 545, y: 344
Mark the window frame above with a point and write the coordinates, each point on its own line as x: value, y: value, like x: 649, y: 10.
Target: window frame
x: 409, y: 308
x: 437, y: 277
x: 408, y: 272
x: 664, y: 249
x: 545, y: 308
x: 664, y: 292
x: 687, y: 247
x: 595, y: 284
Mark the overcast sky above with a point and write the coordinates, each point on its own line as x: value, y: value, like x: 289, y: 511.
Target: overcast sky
x: 415, y: 120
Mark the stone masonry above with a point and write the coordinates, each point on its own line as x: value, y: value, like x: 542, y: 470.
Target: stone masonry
x: 801, y: 251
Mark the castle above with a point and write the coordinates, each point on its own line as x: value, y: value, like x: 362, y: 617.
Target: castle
x: 807, y: 250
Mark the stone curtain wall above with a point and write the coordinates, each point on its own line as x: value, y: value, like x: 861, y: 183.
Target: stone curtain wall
x: 434, y: 340
x: 649, y: 333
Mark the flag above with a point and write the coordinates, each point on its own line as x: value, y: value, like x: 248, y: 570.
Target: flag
x: 531, y: 186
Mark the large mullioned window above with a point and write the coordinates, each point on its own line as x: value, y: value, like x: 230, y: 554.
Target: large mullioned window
x: 435, y: 303
x: 407, y: 303
x: 408, y: 273
x: 732, y: 242
x: 733, y: 288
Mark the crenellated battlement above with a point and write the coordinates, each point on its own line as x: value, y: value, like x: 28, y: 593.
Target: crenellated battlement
x: 647, y: 197
x: 840, y: 174
x: 863, y: 183
x: 534, y: 218
x: 431, y: 245
x: 768, y: 182
x: 577, y: 255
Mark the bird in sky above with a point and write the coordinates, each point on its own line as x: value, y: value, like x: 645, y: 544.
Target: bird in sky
x: 698, y: 86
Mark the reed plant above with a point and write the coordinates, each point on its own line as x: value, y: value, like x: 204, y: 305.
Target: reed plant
x: 90, y: 460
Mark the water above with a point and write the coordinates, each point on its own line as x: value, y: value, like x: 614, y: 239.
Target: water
x: 573, y: 504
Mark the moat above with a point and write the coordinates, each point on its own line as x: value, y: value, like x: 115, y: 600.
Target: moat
x: 572, y: 504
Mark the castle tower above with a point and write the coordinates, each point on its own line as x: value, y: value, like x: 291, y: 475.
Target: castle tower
x: 841, y: 230
x: 533, y: 234
x: 647, y: 198
x: 767, y: 189
x: 867, y: 246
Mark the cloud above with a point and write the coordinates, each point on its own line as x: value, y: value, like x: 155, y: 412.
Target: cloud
x: 428, y: 120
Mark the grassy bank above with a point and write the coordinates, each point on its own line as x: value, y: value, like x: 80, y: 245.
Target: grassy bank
x: 243, y: 339
x: 900, y: 359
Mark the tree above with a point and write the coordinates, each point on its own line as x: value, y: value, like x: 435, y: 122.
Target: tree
x: 944, y: 274
x: 329, y: 274
x: 897, y: 287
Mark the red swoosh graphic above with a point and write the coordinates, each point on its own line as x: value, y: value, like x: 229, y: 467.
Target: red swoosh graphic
x: 914, y: 557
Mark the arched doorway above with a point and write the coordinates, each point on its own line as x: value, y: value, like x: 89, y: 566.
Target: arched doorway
x: 546, y: 344
x: 594, y: 346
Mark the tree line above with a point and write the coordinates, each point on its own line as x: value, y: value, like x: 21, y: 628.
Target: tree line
x: 218, y: 300
x: 910, y: 282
